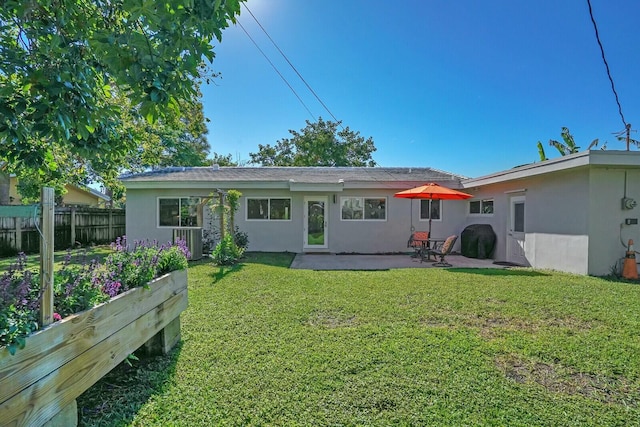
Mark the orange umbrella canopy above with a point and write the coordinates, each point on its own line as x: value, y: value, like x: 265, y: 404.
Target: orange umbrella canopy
x: 432, y: 191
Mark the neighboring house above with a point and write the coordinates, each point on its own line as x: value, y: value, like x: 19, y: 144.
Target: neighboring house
x: 565, y: 214
x: 75, y: 196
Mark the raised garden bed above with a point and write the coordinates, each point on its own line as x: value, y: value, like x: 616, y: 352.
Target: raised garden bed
x: 41, y: 382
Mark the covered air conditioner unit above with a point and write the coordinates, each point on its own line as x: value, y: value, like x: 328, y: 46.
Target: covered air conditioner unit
x: 193, y: 238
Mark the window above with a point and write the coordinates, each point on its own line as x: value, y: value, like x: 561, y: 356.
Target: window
x: 269, y: 209
x: 481, y: 207
x: 518, y: 217
x: 430, y: 209
x: 363, y: 208
x: 178, y: 212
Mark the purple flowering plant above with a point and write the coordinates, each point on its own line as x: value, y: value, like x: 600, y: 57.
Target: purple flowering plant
x: 19, y: 304
x: 81, y: 284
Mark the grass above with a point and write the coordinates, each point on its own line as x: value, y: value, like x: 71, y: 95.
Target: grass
x: 33, y: 260
x: 265, y: 345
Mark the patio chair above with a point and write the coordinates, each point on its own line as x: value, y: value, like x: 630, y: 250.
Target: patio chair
x: 442, y: 249
x: 418, y: 241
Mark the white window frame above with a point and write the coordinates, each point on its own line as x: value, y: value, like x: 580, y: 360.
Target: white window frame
x: 482, y: 208
x: 179, y: 198
x: 362, y: 200
x: 430, y: 202
x: 268, y: 199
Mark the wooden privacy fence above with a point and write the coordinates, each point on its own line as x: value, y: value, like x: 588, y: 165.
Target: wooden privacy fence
x: 73, y: 225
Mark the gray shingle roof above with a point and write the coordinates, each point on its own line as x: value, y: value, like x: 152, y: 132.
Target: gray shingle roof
x: 309, y: 175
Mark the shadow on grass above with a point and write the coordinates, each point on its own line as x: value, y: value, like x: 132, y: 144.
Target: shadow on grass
x: 619, y: 279
x: 223, y: 270
x: 497, y: 271
x: 119, y: 395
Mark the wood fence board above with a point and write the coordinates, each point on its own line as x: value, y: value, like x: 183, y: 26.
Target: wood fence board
x: 91, y: 226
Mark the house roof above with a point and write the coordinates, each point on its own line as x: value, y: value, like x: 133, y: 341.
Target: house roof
x: 94, y: 192
x: 88, y: 190
x: 602, y: 158
x: 294, y: 178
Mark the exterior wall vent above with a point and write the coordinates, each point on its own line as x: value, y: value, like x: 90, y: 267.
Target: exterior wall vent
x: 193, y: 239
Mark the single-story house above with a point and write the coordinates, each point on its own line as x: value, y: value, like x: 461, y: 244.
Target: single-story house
x: 570, y: 214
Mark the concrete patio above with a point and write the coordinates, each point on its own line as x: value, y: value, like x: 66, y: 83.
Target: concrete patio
x: 381, y: 262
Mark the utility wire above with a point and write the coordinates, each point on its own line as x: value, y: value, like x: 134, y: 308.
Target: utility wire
x: 613, y: 87
x: 291, y: 65
x: 276, y: 70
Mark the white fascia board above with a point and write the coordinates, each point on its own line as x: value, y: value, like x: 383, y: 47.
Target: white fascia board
x: 317, y: 186
x: 161, y: 185
x: 615, y: 158
x: 520, y: 172
x: 383, y: 185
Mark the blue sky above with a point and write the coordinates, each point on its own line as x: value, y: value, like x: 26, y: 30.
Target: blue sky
x: 464, y: 86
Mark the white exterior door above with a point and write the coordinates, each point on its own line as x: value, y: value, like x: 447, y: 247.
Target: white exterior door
x: 316, y: 222
x: 516, y: 231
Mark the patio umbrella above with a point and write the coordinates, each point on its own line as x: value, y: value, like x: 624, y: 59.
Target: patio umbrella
x: 432, y: 191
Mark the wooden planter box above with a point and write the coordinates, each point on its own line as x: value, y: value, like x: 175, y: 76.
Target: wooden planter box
x: 66, y: 358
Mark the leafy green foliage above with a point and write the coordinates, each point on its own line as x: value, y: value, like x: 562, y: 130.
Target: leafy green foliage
x: 241, y: 238
x: 230, y: 248
x: 19, y: 304
x: 275, y: 346
x: 541, y: 153
x: 171, y: 259
x: 172, y: 140
x: 226, y: 251
x: 79, y: 284
x: 75, y: 288
x: 64, y: 62
x: 318, y: 144
x: 568, y: 144
x: 223, y: 160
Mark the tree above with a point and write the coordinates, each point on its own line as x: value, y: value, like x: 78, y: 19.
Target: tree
x: 566, y: 147
x: 173, y: 140
x: 62, y: 62
x: 318, y: 144
x: 224, y: 160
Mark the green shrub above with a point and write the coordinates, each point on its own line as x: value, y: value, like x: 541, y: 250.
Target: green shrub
x: 227, y: 252
x: 241, y: 238
x: 171, y: 259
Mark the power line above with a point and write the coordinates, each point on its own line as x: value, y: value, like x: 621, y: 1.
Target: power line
x: 276, y: 69
x: 613, y: 87
x: 291, y: 65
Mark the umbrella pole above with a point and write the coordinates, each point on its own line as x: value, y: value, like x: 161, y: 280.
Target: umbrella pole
x: 411, y: 216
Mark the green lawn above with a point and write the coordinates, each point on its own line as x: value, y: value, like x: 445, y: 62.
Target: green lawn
x: 265, y: 345
x: 33, y: 260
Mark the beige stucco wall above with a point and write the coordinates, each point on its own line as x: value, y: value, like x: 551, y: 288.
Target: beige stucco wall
x: 556, y: 218
x: 76, y: 196
x: 607, y: 229
x: 278, y: 236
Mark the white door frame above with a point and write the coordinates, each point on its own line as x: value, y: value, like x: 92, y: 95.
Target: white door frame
x: 305, y: 222
x: 516, y: 238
